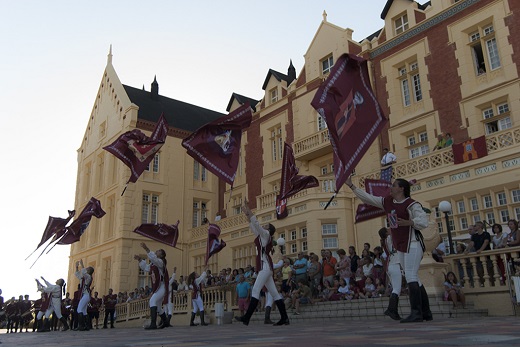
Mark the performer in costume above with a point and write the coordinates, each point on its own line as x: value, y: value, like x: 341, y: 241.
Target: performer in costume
x: 109, y: 301
x: 169, y: 306
x: 74, y: 308
x: 278, y: 257
x: 409, y: 218
x: 264, y: 266
x: 393, y: 270
x: 159, y: 276
x: 85, y: 277
x: 195, y: 284
x: 53, y: 305
x: 95, y: 304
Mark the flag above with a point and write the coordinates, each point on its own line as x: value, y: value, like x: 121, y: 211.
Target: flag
x: 291, y: 182
x: 469, y: 150
x: 55, y: 227
x: 136, y: 150
x: 386, y: 174
x: 92, y: 208
x: 378, y: 188
x: 164, y: 233
x: 353, y: 116
x: 281, y: 208
x: 216, y: 145
x: 214, y: 245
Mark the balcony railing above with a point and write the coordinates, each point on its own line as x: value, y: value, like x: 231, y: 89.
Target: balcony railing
x: 312, y: 146
x: 443, y: 158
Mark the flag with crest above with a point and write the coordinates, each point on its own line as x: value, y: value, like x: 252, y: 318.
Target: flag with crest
x: 163, y: 233
x: 214, y: 244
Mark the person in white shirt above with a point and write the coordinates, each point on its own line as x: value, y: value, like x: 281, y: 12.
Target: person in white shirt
x: 389, y: 158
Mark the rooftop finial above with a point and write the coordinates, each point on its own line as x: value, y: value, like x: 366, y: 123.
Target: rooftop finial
x: 324, y: 16
x: 109, y: 56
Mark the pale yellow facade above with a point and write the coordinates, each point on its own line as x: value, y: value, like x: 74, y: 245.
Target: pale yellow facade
x: 284, y: 114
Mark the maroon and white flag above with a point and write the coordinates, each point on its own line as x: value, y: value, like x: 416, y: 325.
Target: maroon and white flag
x: 353, y: 116
x: 378, y: 188
x: 55, y: 227
x: 214, y: 245
x: 291, y: 182
x: 163, y: 233
x: 281, y: 208
x: 92, y: 208
x: 216, y: 145
x: 136, y: 150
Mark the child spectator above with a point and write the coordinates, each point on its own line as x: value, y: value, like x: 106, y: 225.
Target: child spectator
x: 302, y: 296
x: 453, y: 291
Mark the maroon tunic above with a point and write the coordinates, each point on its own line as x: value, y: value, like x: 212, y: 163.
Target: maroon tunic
x: 402, y: 235
x: 157, y: 278
x: 266, y: 250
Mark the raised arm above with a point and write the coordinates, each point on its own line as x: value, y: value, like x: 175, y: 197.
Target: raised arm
x: 247, y: 210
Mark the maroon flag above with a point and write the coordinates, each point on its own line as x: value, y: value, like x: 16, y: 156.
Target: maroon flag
x: 353, y: 116
x: 291, y: 182
x: 55, y: 227
x: 92, y: 208
x: 378, y: 188
x: 136, y: 150
x: 164, y: 233
x: 217, y: 145
x: 469, y: 150
x: 281, y: 208
x: 214, y: 245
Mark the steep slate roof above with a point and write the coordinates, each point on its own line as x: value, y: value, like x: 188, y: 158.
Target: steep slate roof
x: 178, y: 114
x: 371, y: 36
x: 242, y: 100
x: 278, y: 75
x: 389, y: 4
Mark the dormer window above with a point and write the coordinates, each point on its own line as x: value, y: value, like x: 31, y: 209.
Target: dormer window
x: 273, y: 95
x: 326, y: 64
x: 401, y: 24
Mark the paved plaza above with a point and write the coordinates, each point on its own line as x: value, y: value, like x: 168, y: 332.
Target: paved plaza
x: 481, y: 331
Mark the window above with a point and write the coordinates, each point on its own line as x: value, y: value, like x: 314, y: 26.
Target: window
x: 439, y: 227
x: 474, y: 204
x: 304, y: 246
x: 515, y: 194
x: 273, y: 95
x: 463, y: 223
x: 401, y: 24
x: 323, y: 170
x: 517, y: 213
x: 328, y: 186
x: 293, y: 234
x: 321, y: 123
x: 143, y: 278
x: 410, y: 74
x: 501, y: 199
x: 476, y: 218
x: 418, y: 144
x: 199, y: 172
x: 326, y: 65
x: 303, y: 233
x: 294, y: 248
x: 200, y: 213
x: 150, y: 209
x: 490, y: 218
x: 276, y: 143
x: 504, y: 216
x: 330, y: 242
x: 486, y: 200
x: 154, y: 163
x: 461, y: 207
x: 329, y: 229
x: 484, y: 50
x: 496, y: 121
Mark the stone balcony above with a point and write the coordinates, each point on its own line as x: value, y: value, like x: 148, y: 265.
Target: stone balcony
x: 312, y: 146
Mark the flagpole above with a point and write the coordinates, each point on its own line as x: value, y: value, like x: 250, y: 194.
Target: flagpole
x: 124, y: 190
x: 330, y: 201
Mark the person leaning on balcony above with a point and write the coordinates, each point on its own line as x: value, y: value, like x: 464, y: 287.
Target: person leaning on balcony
x: 406, y: 238
x: 441, y: 142
x: 389, y: 158
x: 481, y: 241
x: 264, y: 265
x: 513, y: 238
x: 448, y: 139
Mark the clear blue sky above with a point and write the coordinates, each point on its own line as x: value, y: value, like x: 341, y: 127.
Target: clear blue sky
x: 52, y: 61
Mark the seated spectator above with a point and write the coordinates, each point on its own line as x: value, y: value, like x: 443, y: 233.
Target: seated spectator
x: 453, y: 291
x: 302, y: 296
x: 378, y: 262
x: 369, y: 290
x: 368, y: 267
x: 440, y: 251
x: 359, y: 278
x: 314, y: 273
x: 333, y: 291
x: 380, y: 287
x: 344, y: 290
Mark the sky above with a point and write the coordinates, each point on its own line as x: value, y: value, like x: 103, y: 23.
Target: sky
x: 53, y: 57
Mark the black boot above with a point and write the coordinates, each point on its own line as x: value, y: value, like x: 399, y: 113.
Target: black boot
x: 63, y: 321
x: 169, y: 320
x: 192, y: 324
x: 425, y: 305
x: 81, y: 322
x: 202, y: 322
x: 46, y: 326
x: 415, y: 303
x: 250, y: 310
x: 284, y: 319
x: 393, y: 304
x: 153, y: 318
x: 267, y: 317
x: 164, y: 321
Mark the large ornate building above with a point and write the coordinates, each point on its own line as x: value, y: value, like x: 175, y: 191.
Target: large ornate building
x: 444, y: 66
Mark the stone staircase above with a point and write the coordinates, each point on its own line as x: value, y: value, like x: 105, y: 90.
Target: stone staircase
x: 368, y: 309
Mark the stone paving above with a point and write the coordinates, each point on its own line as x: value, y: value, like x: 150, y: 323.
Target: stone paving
x: 478, y: 331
